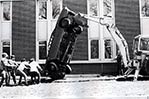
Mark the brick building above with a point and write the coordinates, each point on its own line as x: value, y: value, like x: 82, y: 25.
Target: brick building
x: 26, y: 25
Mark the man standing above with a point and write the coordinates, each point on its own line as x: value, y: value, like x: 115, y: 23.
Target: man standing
x: 21, y: 72
x: 4, y: 67
x: 34, y: 70
x: 12, y: 72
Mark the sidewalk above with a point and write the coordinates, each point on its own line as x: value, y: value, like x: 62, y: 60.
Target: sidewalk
x: 71, y: 78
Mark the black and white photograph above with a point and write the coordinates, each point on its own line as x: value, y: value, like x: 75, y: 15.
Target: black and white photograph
x: 74, y: 49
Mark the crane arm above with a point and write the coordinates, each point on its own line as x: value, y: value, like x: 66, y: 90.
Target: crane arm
x: 121, y: 42
x: 116, y: 35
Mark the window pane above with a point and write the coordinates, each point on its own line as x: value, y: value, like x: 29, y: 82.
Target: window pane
x: 42, y: 50
x: 107, y: 7
x: 145, y: 8
x: 108, y: 48
x: 144, y: 44
x: 43, y: 10
x: 56, y: 4
x: 6, y: 47
x: 6, y: 11
x: 94, y: 49
x: 93, y: 7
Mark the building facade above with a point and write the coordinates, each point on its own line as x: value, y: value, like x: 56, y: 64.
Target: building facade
x: 26, y: 26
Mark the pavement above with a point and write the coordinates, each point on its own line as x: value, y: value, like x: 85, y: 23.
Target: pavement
x: 72, y: 78
x: 80, y: 86
x: 84, y: 78
x: 97, y: 77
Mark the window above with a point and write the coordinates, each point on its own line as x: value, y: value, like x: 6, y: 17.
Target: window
x: 109, y: 45
x: 6, y: 47
x: 101, y: 44
x: 42, y: 10
x: 94, y: 32
x: 144, y: 44
x: 144, y: 16
x: 56, y: 7
x: 6, y: 11
x: 94, y: 49
x: 93, y: 7
x: 42, y: 49
x: 145, y: 8
x: 107, y: 6
x: 108, y: 48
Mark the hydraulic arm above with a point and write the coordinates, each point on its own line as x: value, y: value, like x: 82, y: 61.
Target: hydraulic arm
x: 116, y: 35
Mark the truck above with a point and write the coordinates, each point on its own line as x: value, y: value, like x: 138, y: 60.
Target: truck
x: 141, y: 55
x: 139, y: 63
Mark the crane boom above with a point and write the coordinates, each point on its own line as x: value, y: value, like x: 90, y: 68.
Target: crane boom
x: 121, y: 42
x: 116, y: 35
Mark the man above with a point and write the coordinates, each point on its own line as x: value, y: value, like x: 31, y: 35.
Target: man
x: 119, y: 64
x: 14, y: 65
x: 34, y: 70
x: 4, y: 69
x: 21, y: 72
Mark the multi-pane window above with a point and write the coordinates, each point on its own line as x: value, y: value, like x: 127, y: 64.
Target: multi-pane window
x: 107, y: 7
x: 145, y: 8
x: 42, y: 10
x: 6, y: 11
x: 100, y: 39
x: 56, y: 7
x: 6, y: 47
x: 42, y: 49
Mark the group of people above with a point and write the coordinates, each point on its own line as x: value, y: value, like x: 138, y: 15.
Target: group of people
x: 10, y: 68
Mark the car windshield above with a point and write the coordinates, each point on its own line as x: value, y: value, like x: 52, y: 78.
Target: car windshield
x: 144, y: 44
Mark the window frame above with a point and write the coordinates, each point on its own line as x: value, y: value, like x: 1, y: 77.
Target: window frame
x: 61, y: 5
x: 42, y: 46
x: 142, y: 19
x: 112, y: 8
x: 113, y: 48
x: 140, y: 8
x: 90, y: 53
x: 7, y: 41
x: 38, y: 10
x: 3, y: 10
x: 101, y: 38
